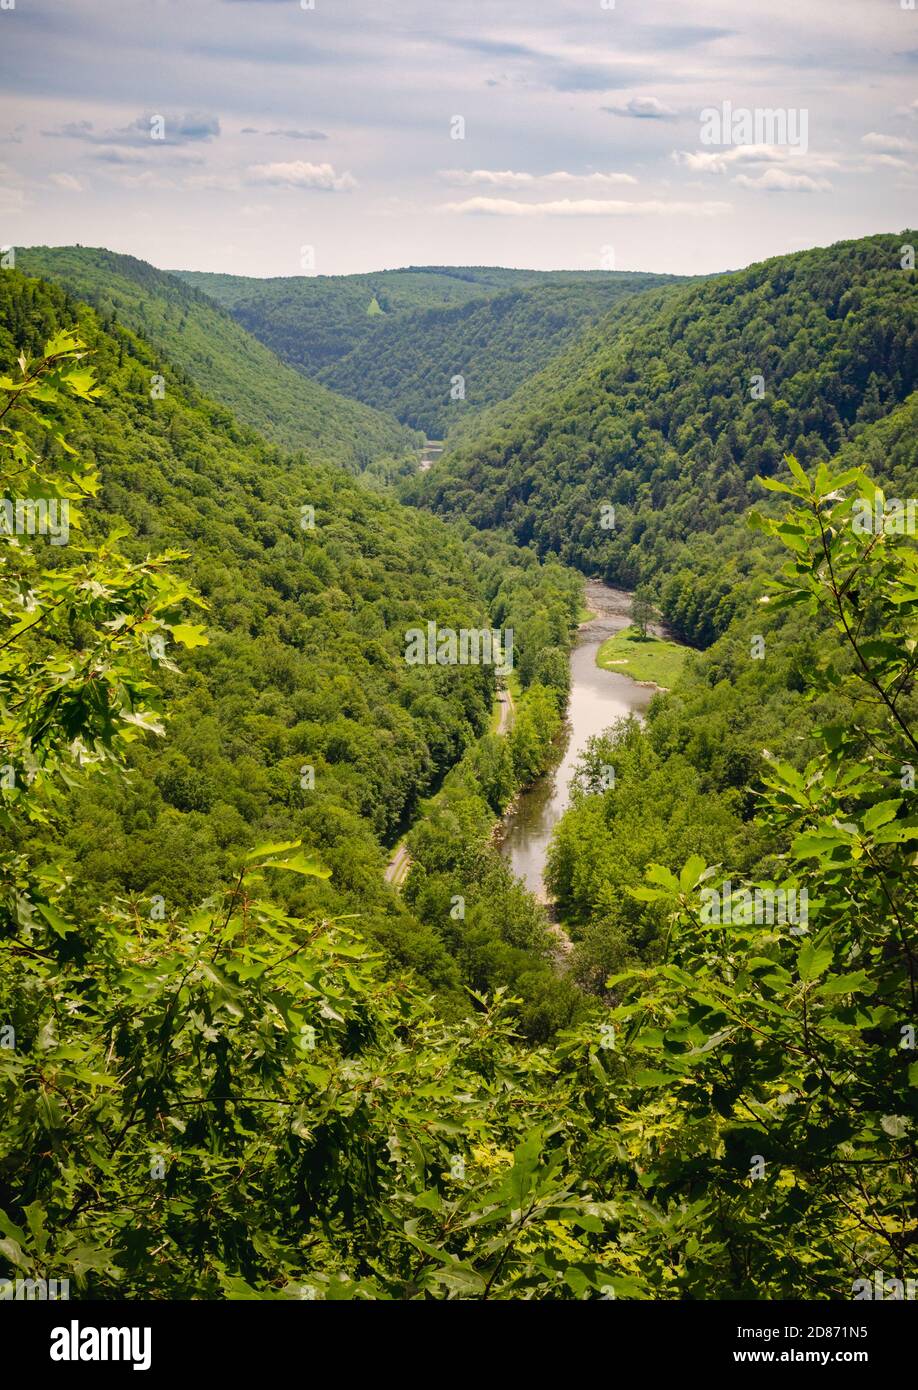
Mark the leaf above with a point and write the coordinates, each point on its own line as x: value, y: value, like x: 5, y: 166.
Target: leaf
x: 54, y: 919
x: 525, y: 1162
x: 309, y: 865
x: 13, y: 1252
x: 797, y: 471
x: 897, y: 833
x: 189, y: 634
x: 648, y: 1076
x: 264, y: 851
x: 855, y: 983
x: 692, y: 871
x: 879, y: 813
x: 817, y: 843
x: 813, y: 961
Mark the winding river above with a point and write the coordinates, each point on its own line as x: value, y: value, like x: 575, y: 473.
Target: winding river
x: 597, y: 699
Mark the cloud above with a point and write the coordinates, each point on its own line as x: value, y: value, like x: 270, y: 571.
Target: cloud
x: 643, y: 109
x: 299, y: 134
x: 720, y: 161
x: 582, y: 207
x: 508, y: 178
x: 190, y: 128
x: 224, y: 183
x: 667, y: 36
x: 887, y: 144
x: 783, y: 181
x: 147, y: 178
x: 68, y: 182
x: 139, y: 156
x: 299, y: 174
x: 73, y: 130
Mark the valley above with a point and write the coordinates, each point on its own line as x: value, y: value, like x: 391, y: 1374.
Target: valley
x: 355, y: 896
x: 597, y: 700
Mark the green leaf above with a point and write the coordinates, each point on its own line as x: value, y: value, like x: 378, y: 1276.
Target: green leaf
x: 189, y: 634
x: 882, y: 812
x: 813, y: 961
x: 307, y: 864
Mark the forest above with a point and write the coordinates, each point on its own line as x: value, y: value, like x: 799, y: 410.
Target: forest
x: 239, y: 1062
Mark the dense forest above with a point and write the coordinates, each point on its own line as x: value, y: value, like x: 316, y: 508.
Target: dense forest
x: 670, y: 408
x: 435, y: 367
x: 399, y: 339
x: 202, y: 343
x: 236, y: 1062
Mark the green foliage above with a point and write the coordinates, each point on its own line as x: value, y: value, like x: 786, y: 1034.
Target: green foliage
x: 305, y: 663
x: 652, y: 413
x: 311, y: 321
x: 79, y: 636
x: 494, y: 343
x: 248, y: 1095
x: 206, y: 346
x: 775, y: 1055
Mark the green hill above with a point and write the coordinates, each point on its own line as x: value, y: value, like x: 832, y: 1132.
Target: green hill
x: 305, y: 662
x: 212, y: 350
x: 314, y: 321
x: 408, y: 365
x: 667, y: 410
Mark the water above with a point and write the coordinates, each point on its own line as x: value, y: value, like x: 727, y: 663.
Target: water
x: 597, y: 699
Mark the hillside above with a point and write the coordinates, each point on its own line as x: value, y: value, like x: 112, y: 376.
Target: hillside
x: 718, y: 1108
x: 408, y: 362
x: 209, y: 348
x: 312, y: 322
x: 305, y: 667
x: 306, y: 635
x: 668, y: 409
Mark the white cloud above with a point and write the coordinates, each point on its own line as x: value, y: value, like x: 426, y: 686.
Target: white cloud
x: 68, y: 182
x: 783, y: 181
x: 887, y: 144
x: 643, y: 109
x: 508, y: 178
x: 583, y: 207
x: 298, y: 173
x: 789, y: 170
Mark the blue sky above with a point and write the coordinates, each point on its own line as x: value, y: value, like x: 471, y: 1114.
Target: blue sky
x: 286, y: 127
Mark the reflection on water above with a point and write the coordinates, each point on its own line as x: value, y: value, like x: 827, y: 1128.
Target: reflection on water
x: 597, y: 699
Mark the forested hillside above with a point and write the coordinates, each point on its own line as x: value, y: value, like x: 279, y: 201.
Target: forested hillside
x: 300, y: 717
x: 208, y: 348
x: 235, y: 1062
x: 394, y: 320
x: 435, y: 367
x: 666, y: 412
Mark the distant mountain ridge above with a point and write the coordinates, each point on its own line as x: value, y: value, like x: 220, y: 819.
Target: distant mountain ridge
x: 490, y: 325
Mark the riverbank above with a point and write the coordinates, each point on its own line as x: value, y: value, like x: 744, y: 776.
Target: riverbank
x: 649, y: 659
x: 599, y: 696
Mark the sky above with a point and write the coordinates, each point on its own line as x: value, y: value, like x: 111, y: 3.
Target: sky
x: 277, y: 137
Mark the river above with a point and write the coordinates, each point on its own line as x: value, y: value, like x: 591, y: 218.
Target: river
x: 597, y: 699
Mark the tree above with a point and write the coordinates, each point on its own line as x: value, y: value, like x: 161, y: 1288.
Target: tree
x: 643, y: 612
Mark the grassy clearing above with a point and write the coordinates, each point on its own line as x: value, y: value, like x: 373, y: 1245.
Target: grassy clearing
x: 643, y: 658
